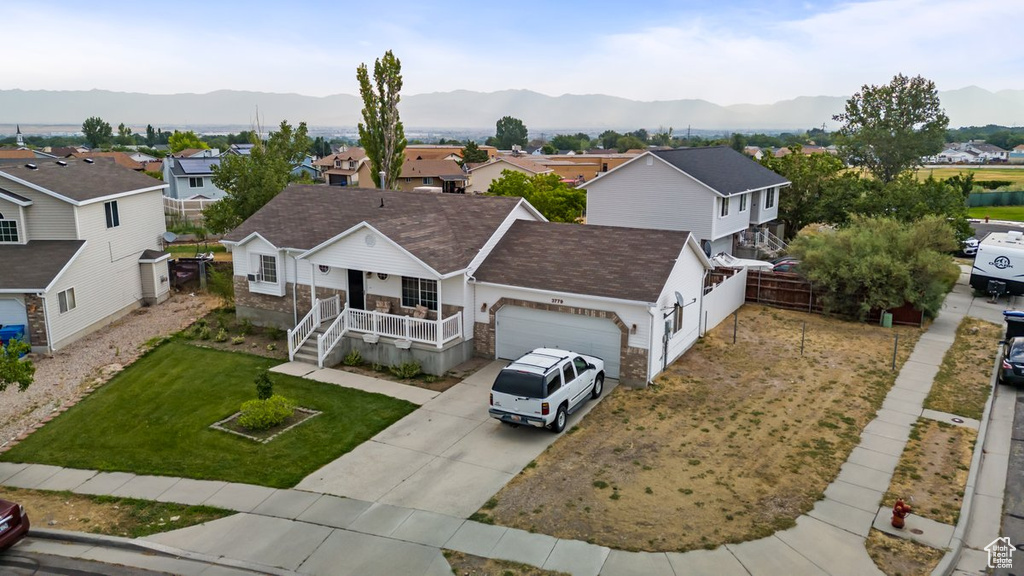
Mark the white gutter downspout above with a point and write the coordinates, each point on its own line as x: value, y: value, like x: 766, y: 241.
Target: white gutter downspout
x: 700, y: 314
x: 295, y: 290
x: 653, y: 311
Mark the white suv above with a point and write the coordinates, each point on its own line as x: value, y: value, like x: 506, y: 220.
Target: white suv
x: 544, y: 386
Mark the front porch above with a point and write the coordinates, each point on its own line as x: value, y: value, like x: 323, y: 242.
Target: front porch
x: 329, y: 324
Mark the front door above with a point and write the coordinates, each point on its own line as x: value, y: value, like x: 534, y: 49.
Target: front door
x: 356, y: 292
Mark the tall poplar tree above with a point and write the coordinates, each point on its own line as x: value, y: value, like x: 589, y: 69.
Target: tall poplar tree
x: 381, y: 133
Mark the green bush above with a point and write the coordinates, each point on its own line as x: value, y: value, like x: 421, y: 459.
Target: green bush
x: 264, y: 385
x: 275, y: 333
x: 222, y: 336
x: 353, y: 358
x: 406, y: 370
x: 245, y: 327
x: 221, y: 283
x: 238, y: 340
x: 263, y: 414
x: 203, y: 332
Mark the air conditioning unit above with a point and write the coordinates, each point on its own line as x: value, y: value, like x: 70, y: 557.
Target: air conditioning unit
x: 251, y: 277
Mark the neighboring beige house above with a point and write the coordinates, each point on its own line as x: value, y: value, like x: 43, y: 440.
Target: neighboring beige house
x: 79, y: 247
x: 442, y: 151
x: 481, y: 175
x: 435, y: 175
x: 343, y: 168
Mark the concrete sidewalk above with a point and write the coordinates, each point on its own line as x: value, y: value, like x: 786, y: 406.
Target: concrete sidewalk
x: 412, y: 496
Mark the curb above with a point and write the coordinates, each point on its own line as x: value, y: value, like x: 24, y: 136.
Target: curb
x: 947, y: 565
x: 138, y: 545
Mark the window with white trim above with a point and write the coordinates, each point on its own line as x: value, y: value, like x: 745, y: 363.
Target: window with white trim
x: 110, y: 209
x: 769, y: 198
x: 743, y: 203
x: 66, y: 300
x: 677, y: 321
x: 196, y: 182
x: 8, y: 230
x: 419, y: 292
x: 428, y: 181
x: 268, y: 269
x: 724, y: 208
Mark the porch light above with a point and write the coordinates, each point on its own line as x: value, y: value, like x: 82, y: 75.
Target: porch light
x: 632, y: 330
x: 483, y: 307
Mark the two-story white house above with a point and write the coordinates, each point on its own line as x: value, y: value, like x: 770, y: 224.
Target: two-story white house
x: 79, y: 247
x: 721, y: 196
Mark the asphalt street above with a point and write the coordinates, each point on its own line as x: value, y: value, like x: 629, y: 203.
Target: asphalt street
x: 23, y: 563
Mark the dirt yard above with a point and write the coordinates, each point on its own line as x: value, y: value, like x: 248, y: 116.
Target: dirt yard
x: 125, y: 517
x: 933, y: 469
x: 963, y: 383
x: 898, y: 557
x: 468, y: 565
x: 92, y: 360
x: 732, y: 443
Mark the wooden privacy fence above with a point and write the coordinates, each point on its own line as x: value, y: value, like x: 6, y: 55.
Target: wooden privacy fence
x: 793, y: 292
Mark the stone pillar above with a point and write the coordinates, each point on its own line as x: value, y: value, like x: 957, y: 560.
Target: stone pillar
x: 36, y: 328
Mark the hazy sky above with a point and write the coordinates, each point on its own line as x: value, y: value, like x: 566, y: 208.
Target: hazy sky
x: 727, y: 52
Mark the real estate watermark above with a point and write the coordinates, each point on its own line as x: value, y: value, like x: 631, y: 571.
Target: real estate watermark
x: 1000, y: 553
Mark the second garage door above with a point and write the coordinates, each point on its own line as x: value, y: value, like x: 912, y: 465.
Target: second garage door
x: 519, y: 330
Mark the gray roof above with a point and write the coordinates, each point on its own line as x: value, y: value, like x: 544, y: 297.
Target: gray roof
x: 610, y: 261
x: 79, y: 180
x: 446, y: 231
x: 194, y: 166
x: 33, y: 266
x: 722, y: 168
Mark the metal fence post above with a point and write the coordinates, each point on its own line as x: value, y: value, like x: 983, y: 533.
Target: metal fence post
x: 895, y: 343
x: 803, y: 336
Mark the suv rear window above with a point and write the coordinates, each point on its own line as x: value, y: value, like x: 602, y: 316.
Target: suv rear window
x: 519, y: 383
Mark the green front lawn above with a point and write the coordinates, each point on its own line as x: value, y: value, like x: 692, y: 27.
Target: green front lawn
x: 1015, y: 213
x: 154, y: 418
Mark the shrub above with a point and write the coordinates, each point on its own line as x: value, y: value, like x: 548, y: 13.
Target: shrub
x: 246, y: 327
x: 275, y: 333
x: 353, y: 358
x: 238, y: 340
x: 264, y: 385
x: 406, y: 370
x: 271, y: 347
x: 222, y: 336
x: 221, y: 283
x: 203, y: 333
x: 263, y: 414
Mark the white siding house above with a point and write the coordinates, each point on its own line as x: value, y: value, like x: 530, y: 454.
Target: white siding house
x: 716, y: 193
x: 87, y: 247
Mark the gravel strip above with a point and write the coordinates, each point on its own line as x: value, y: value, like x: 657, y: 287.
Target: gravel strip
x: 94, y: 359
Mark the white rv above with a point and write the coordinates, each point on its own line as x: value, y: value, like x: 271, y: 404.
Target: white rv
x: 1000, y: 257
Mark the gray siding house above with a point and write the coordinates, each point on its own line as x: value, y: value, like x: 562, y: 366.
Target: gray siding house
x: 723, y: 198
x: 79, y: 247
x: 190, y: 177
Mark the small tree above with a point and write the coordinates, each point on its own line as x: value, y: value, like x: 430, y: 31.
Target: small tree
x: 13, y: 369
x: 880, y: 263
x: 551, y: 197
x: 472, y: 153
x: 509, y: 131
x: 96, y: 131
x: 182, y: 140
x: 264, y: 385
x: 381, y: 133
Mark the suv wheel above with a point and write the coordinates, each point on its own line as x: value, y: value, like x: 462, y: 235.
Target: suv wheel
x: 598, y: 386
x: 560, y: 417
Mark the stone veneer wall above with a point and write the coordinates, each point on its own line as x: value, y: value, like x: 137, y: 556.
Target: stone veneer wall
x: 36, y: 328
x: 267, y: 310
x: 632, y: 361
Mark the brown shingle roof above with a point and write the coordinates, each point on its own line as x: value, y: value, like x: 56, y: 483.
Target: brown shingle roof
x: 34, y: 265
x: 354, y: 153
x: 429, y: 168
x: 79, y: 180
x: 120, y: 158
x: 17, y: 154
x: 609, y: 261
x: 444, y: 230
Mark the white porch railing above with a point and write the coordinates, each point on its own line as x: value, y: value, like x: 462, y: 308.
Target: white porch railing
x: 329, y: 339
x: 321, y: 310
x: 769, y: 241
x: 436, y: 332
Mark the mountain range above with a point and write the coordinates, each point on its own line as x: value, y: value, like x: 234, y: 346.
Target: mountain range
x: 468, y: 110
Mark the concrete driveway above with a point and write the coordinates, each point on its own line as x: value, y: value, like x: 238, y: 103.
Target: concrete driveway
x: 447, y: 457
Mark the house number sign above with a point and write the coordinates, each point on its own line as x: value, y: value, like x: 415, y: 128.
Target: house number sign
x: 557, y: 301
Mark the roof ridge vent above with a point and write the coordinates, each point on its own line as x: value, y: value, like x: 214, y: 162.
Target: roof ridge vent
x: 88, y: 160
x: 31, y: 166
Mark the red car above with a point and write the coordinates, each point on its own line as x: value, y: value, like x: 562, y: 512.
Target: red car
x: 14, y: 523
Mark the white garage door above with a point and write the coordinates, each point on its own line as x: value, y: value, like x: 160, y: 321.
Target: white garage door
x: 519, y: 330
x: 12, y: 311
